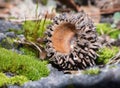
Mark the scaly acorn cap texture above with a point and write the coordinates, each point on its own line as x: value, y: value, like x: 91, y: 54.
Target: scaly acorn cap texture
x: 71, y: 41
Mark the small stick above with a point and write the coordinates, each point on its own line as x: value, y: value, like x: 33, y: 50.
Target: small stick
x: 115, y: 59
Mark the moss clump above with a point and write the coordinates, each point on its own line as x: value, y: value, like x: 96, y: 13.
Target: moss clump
x: 106, y: 29
x: 35, y: 29
x: 19, y: 80
x: 112, y: 66
x: 91, y: 71
x: 24, y: 65
x: 28, y: 51
x: 105, y: 54
x: 3, y: 79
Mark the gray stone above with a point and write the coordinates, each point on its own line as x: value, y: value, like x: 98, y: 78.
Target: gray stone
x: 108, y: 78
x: 6, y: 26
x: 11, y: 86
x: 21, y: 37
x: 10, y: 34
x: 2, y: 36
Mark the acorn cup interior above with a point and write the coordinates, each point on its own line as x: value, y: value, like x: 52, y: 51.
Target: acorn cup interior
x: 64, y: 37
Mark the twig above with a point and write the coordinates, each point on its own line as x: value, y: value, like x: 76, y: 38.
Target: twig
x: 115, y: 59
x: 108, y: 11
x: 30, y: 44
x: 42, y: 52
x: 36, y: 46
x: 112, y: 31
x: 71, y: 72
x: 23, y: 20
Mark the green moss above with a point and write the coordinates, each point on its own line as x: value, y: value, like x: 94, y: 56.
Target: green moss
x: 21, y: 31
x: 106, y: 29
x: 35, y: 29
x: 105, y: 54
x: 91, y: 71
x: 28, y: 51
x: 24, y: 65
x: 19, y: 80
x: 114, y: 34
x: 3, y: 79
x: 102, y: 27
x: 112, y: 66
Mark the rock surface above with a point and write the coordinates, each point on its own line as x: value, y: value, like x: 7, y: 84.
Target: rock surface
x: 2, y: 36
x: 108, y: 78
x: 10, y: 34
x: 5, y: 26
x: 8, y: 30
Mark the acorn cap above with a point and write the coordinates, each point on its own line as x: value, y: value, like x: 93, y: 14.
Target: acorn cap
x: 71, y: 41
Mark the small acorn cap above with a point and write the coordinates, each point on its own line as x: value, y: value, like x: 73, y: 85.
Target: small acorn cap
x: 71, y: 41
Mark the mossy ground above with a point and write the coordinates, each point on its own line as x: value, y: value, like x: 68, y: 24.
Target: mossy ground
x: 18, y: 80
x: 27, y: 50
x: 108, y: 30
x: 91, y: 71
x: 106, y: 53
x: 35, y: 29
x: 28, y: 66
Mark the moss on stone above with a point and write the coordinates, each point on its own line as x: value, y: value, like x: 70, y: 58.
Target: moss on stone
x: 105, y: 54
x: 28, y: 66
x: 18, y: 80
x: 91, y: 71
x: 7, y: 43
x: 3, y: 79
x: 108, y: 30
x: 28, y: 51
